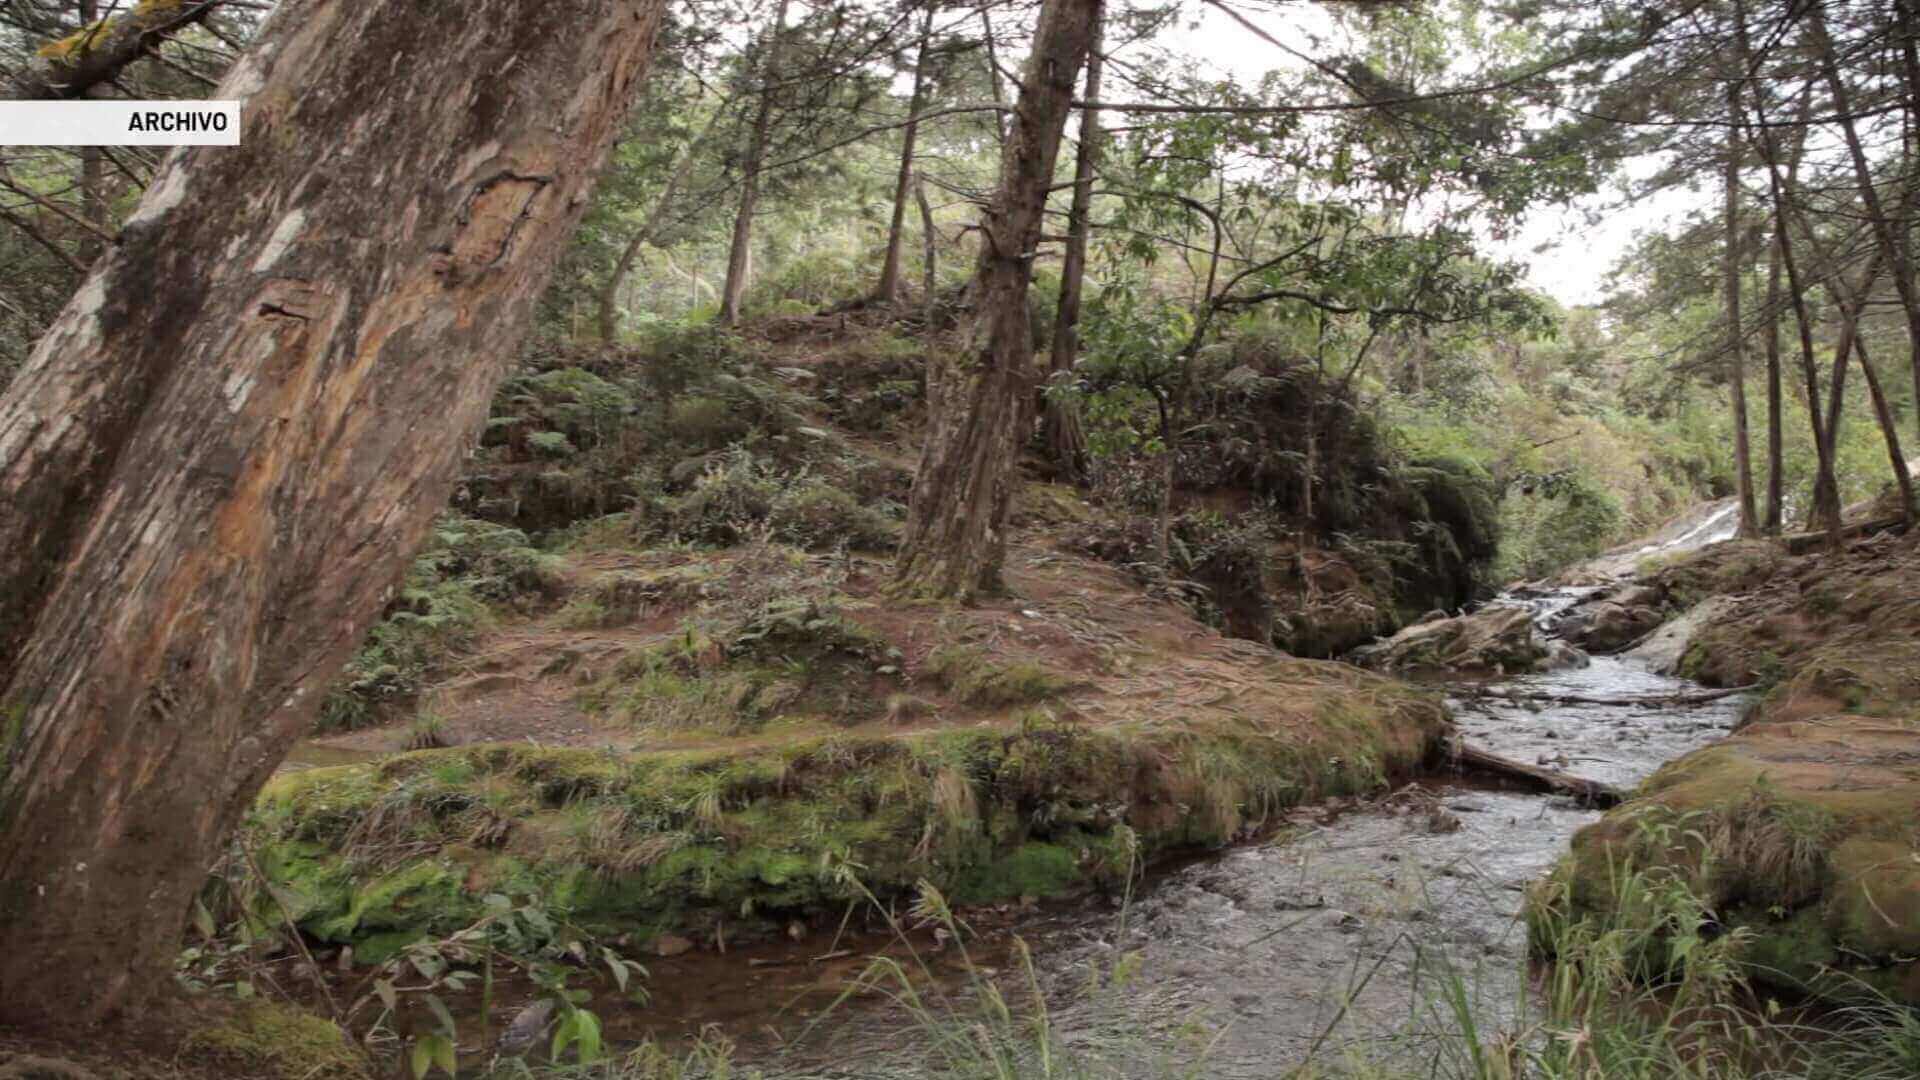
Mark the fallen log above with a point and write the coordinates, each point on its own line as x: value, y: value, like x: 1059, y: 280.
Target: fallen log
x: 1801, y: 543
x: 1700, y: 697
x: 1539, y: 778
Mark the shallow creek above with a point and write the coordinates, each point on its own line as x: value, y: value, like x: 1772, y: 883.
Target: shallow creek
x: 1323, y: 939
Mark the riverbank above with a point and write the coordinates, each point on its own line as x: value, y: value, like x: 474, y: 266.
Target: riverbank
x: 1798, y: 834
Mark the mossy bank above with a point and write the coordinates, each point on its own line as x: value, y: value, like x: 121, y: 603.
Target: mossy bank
x: 1801, y: 832
x: 705, y: 842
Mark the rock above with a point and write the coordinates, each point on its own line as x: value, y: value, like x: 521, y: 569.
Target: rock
x: 1609, y: 626
x: 1637, y: 595
x: 1663, y: 649
x: 527, y: 1028
x: 1810, y: 826
x: 1564, y: 657
x: 671, y: 945
x: 1499, y: 638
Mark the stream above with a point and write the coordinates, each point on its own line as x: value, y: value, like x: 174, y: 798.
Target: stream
x: 1328, y: 939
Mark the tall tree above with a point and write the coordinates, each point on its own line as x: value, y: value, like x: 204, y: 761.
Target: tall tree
x: 1066, y: 441
x: 954, y: 539
x: 740, y: 253
x: 1749, y: 525
x: 220, y: 459
x: 888, y: 290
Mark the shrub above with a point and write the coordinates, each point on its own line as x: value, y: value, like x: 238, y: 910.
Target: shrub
x: 469, y: 568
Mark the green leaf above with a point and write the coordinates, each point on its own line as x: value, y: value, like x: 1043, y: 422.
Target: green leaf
x: 588, y: 1032
x: 617, y: 966
x: 420, y: 1059
x: 203, y: 920
x: 388, y: 997
x: 440, y: 1012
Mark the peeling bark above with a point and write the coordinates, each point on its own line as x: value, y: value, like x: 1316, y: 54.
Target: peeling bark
x: 221, y: 457
x: 955, y: 531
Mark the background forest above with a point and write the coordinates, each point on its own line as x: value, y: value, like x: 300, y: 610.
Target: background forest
x: 881, y: 322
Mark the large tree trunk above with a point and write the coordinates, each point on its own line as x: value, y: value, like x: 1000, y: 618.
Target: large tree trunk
x: 1065, y: 439
x: 1736, y: 331
x: 1910, y: 72
x: 220, y: 459
x: 740, y: 252
x: 888, y: 291
x: 955, y: 531
x: 1783, y: 190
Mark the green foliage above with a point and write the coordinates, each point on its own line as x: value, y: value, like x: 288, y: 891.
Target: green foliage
x: 740, y: 497
x: 1554, y: 522
x: 468, y: 570
x: 978, y: 680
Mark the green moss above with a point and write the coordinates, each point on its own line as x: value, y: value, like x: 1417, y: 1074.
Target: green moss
x: 977, y: 680
x: 1800, y: 836
x: 1036, y: 868
x: 278, y: 1041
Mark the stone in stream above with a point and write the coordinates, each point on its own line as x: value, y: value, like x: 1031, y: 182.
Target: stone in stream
x: 1564, y: 657
x: 1499, y: 639
x: 1611, y: 625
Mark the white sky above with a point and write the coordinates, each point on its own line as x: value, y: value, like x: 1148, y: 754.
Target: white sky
x: 1567, y: 255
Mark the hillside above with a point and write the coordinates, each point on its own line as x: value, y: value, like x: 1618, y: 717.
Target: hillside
x: 700, y: 714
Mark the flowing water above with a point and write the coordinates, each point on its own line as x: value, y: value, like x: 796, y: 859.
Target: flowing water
x: 1329, y: 938
x: 1333, y: 936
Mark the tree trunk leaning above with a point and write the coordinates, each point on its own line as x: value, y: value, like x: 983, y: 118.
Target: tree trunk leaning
x: 222, y: 456
x: 954, y: 538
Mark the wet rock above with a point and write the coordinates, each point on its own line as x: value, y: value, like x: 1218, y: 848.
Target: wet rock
x: 527, y: 1028
x: 1609, y: 626
x: 1564, y: 657
x: 1467, y: 806
x: 1498, y: 639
